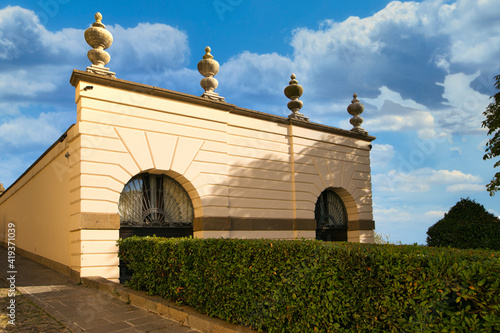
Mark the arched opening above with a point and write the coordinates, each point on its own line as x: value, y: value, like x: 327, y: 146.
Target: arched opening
x: 331, y: 217
x: 153, y: 204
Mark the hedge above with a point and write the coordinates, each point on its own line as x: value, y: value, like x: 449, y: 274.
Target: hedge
x: 466, y: 226
x: 313, y: 286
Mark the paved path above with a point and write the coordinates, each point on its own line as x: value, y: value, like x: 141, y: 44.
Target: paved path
x: 77, y: 308
x: 29, y: 316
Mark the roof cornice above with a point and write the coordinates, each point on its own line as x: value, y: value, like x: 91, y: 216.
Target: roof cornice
x: 107, y: 81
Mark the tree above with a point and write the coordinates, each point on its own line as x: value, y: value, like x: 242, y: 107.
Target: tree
x: 492, y: 122
x: 466, y: 226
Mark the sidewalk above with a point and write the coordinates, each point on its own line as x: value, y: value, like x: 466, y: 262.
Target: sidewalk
x: 78, y: 307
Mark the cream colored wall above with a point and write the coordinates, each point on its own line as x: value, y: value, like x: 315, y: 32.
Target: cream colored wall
x: 260, y: 169
x: 233, y: 165
x: 38, y: 204
x: 328, y: 161
x: 94, y: 253
x: 229, y: 163
x: 283, y: 169
x: 123, y: 134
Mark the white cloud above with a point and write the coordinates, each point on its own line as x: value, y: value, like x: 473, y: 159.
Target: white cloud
x: 23, y: 84
x: 389, y: 215
x: 11, y: 109
x: 387, y: 94
x: 47, y: 57
x: 459, y: 94
x: 36, y: 62
x: 148, y: 46
x: 466, y: 25
x: 399, y: 51
x: 43, y: 130
x: 24, y: 38
x: 411, y: 120
x: 466, y: 188
x: 467, y: 104
x: 396, y: 113
x: 435, y: 214
x: 381, y: 154
x: 387, y: 46
x: 259, y: 78
x: 407, y: 222
x: 494, y: 212
x: 421, y: 180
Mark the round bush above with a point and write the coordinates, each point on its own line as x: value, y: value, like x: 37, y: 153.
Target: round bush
x: 466, y: 226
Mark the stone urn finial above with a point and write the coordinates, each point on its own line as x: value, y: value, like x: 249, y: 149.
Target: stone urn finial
x: 293, y: 91
x: 208, y: 67
x: 355, y: 109
x: 100, y: 39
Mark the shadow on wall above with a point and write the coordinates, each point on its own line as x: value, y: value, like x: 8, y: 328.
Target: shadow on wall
x: 265, y: 171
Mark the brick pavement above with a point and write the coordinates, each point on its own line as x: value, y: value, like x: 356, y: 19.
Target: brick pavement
x: 29, y: 316
x: 64, y: 306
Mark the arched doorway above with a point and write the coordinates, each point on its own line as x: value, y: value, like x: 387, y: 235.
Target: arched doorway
x: 153, y: 204
x: 331, y: 217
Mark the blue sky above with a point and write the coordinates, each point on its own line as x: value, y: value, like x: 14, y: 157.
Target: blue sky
x: 424, y: 71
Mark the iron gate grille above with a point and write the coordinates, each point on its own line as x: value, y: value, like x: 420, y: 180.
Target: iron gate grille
x: 330, y: 212
x: 155, y: 201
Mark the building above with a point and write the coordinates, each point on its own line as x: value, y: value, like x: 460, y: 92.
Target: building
x: 146, y: 160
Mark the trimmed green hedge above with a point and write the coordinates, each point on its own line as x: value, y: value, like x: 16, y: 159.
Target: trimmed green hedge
x: 466, y: 226
x: 313, y: 286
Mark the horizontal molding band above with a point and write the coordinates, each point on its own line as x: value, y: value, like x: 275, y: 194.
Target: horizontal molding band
x: 102, y: 221
x: 228, y: 223
x: 361, y: 225
x: 99, y: 221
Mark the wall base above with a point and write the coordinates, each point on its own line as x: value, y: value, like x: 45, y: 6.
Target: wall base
x: 56, y: 266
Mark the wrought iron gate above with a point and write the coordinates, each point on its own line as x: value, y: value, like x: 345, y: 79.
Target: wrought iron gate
x: 154, y: 205
x: 331, y: 217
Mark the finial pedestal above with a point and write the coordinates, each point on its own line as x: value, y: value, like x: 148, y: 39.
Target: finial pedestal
x: 355, y: 109
x: 208, y: 67
x: 100, y: 39
x: 293, y: 91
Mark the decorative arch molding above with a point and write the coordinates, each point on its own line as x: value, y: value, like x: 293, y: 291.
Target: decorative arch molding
x: 349, y: 181
x: 182, y: 181
x: 356, y: 227
x: 347, y: 200
x: 150, y: 150
x: 159, y: 153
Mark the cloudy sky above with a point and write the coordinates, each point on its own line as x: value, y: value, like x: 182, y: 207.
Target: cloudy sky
x: 424, y: 71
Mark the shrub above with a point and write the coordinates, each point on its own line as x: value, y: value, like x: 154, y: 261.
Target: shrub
x: 466, y: 226
x: 312, y: 286
x: 380, y: 238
